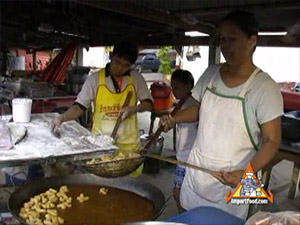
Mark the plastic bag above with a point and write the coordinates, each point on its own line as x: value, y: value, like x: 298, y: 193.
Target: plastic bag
x: 278, y: 218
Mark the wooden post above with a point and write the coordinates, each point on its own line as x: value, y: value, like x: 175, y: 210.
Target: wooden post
x: 34, y: 60
x: 79, y: 56
x: 214, y: 50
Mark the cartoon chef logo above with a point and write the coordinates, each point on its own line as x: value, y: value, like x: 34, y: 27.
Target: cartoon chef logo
x: 249, y: 190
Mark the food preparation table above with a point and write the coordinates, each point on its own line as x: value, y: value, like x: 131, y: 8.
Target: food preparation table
x: 41, y: 146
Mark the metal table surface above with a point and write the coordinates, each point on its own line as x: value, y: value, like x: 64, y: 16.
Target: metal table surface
x: 41, y: 146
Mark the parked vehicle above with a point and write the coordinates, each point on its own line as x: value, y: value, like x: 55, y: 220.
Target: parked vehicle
x: 147, y: 60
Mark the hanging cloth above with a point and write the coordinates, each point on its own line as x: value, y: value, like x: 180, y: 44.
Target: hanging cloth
x: 55, y: 72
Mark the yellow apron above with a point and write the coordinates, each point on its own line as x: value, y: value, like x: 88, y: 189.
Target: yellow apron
x: 107, y: 108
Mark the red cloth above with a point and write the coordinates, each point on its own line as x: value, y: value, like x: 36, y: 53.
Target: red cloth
x: 56, y: 70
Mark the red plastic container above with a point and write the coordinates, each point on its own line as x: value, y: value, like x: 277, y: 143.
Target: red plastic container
x: 291, y: 100
x: 162, y: 95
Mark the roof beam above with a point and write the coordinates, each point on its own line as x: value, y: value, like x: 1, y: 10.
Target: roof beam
x: 145, y: 13
x: 159, y: 40
x: 279, y: 41
x: 227, y: 8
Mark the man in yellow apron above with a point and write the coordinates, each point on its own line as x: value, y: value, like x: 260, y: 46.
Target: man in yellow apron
x: 107, y: 90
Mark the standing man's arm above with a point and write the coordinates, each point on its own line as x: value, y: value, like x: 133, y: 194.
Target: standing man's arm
x: 72, y: 113
x: 145, y: 105
x: 271, y: 137
x: 269, y: 110
x: 143, y: 95
x: 83, y: 101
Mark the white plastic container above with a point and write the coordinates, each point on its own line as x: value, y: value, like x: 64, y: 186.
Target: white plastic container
x: 21, y: 109
x: 19, y: 63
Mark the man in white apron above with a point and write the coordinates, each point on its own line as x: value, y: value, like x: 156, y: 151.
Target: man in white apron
x: 238, y: 108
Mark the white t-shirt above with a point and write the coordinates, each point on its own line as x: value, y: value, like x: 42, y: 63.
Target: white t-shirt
x: 263, y: 97
x: 88, y: 91
x: 185, y: 136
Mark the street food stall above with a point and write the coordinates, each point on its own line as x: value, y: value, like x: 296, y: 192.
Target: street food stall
x: 39, y: 25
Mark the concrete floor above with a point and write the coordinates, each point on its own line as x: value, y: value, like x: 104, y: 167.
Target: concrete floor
x: 164, y: 181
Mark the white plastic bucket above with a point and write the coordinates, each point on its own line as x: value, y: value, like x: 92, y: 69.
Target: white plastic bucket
x: 19, y: 63
x: 21, y: 109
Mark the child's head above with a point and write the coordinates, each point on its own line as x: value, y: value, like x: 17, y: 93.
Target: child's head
x: 182, y: 82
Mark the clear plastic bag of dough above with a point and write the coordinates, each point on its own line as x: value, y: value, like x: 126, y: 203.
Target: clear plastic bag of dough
x: 276, y: 218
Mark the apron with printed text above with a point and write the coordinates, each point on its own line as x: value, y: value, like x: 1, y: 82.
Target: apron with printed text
x: 106, y: 111
x: 224, y: 143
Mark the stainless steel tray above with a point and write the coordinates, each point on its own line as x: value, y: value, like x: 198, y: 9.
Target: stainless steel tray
x: 41, y: 146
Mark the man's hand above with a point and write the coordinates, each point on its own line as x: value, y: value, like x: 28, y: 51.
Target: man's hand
x: 128, y: 111
x: 167, y: 121
x: 56, y: 122
x: 230, y: 178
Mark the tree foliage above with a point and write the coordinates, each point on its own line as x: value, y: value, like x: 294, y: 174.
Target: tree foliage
x: 164, y: 59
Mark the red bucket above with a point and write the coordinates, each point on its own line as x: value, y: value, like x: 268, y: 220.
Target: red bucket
x: 162, y: 95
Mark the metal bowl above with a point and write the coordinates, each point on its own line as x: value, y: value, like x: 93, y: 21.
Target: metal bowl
x: 113, y: 168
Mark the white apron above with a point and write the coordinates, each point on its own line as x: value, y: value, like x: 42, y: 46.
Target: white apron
x: 223, y: 143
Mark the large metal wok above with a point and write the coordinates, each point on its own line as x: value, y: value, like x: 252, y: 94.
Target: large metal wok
x: 142, y: 189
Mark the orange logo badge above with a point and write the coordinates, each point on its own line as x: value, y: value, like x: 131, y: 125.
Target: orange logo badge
x: 249, y: 190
